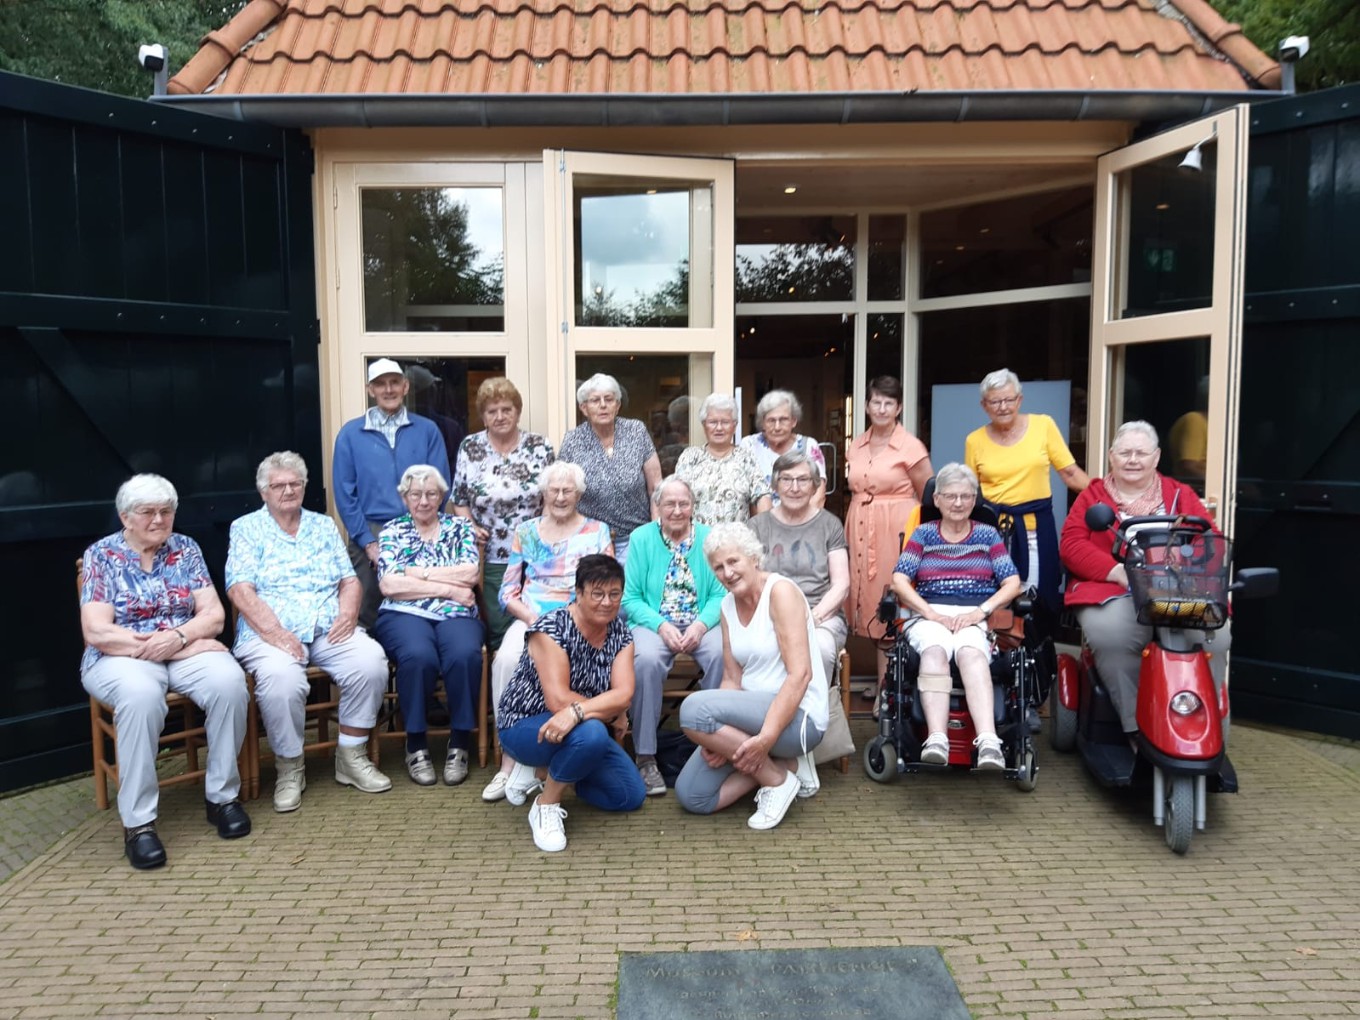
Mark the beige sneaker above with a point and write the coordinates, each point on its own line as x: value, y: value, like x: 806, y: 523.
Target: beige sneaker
x: 352, y: 768
x: 291, y: 781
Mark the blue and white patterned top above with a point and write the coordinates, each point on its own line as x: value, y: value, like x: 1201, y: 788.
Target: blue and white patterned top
x: 401, y: 548
x: 591, y: 667
x: 144, y: 601
x: 297, y: 576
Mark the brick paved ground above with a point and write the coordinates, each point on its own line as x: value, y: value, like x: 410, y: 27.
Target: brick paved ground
x: 425, y: 903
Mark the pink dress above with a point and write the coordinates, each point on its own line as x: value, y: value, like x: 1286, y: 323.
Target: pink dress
x: 882, y: 497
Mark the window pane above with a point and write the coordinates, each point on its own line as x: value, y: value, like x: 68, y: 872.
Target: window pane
x: 434, y: 260
x: 445, y: 391
x: 636, y: 243
x: 1166, y: 383
x: 887, y: 257
x: 883, y: 346
x: 789, y: 258
x: 1167, y: 249
x: 1031, y: 241
x: 657, y: 391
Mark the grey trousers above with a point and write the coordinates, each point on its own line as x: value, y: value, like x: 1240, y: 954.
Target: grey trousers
x: 136, y: 689
x: 1116, y: 639
x: 652, y: 661
x: 358, y: 666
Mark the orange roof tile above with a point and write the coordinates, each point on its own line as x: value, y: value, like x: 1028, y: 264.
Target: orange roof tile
x: 665, y: 47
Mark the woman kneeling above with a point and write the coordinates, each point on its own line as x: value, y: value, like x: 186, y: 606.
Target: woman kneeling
x: 574, y: 677
x: 757, y: 730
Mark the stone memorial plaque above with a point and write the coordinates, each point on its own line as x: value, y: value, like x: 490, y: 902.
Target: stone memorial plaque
x: 909, y: 983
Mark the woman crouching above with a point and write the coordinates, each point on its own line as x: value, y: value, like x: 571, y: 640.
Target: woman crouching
x: 574, y: 677
x: 756, y: 731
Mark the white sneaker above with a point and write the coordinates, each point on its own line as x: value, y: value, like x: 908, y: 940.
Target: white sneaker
x: 989, y: 754
x: 456, y: 766
x: 495, y: 790
x: 545, y: 822
x: 772, y: 803
x: 521, y: 783
x: 808, y: 781
x: 291, y: 781
x: 935, y: 751
x: 352, y: 768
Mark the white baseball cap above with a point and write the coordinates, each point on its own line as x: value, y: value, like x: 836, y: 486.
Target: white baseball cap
x: 383, y: 366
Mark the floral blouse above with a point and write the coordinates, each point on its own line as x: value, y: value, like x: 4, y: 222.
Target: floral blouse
x: 500, y: 490
x: 724, y: 488
x: 679, y: 593
x: 765, y: 457
x: 402, y: 550
x: 542, y: 574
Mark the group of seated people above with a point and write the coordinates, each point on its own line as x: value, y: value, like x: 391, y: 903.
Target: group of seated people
x: 589, y: 636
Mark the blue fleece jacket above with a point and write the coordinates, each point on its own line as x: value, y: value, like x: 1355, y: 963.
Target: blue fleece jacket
x: 366, y: 471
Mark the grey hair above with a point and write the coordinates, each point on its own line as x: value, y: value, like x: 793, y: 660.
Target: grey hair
x: 562, y: 467
x: 145, y: 490
x: 996, y: 380
x: 734, y: 535
x: 597, y: 383
x: 677, y: 412
x: 666, y: 483
x: 1145, y: 428
x: 953, y: 473
x: 774, y: 400
x: 415, y: 471
x: 283, y: 460
x: 787, y: 461
x: 717, y: 402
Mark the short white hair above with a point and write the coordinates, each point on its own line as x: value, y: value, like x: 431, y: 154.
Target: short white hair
x: 1139, y: 426
x: 773, y: 401
x: 717, y: 402
x: 283, y: 460
x: 1002, y: 377
x: 666, y: 483
x: 409, y: 476
x: 734, y: 535
x: 557, y: 468
x: 145, y: 490
x: 599, y: 383
x: 953, y: 473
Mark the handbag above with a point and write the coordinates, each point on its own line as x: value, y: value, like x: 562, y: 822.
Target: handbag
x: 836, y: 741
x: 1008, y: 630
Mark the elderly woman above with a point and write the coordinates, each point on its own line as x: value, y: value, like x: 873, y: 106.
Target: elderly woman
x: 1011, y: 456
x: 727, y: 484
x: 758, y: 729
x: 150, y: 617
x: 573, y: 679
x: 672, y: 601
x: 541, y: 577
x: 428, y: 621
x: 1098, y: 586
x: 620, y: 462
x: 495, y: 483
x: 777, y: 416
x: 952, y: 574
x: 887, y: 468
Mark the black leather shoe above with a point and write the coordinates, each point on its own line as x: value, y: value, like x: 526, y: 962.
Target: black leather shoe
x: 231, y: 819
x: 143, y: 847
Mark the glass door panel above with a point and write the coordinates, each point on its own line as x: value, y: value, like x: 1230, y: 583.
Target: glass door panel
x: 1166, y: 383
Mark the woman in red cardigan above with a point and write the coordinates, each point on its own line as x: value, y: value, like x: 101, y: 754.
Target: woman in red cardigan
x: 1098, y: 587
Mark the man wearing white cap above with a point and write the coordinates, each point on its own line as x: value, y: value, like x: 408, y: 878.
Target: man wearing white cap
x: 371, y: 453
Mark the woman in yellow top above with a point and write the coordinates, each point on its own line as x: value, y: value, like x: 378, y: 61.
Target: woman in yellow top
x: 1011, y: 455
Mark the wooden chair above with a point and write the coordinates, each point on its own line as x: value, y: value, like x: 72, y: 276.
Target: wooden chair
x: 184, y: 734
x: 391, y: 726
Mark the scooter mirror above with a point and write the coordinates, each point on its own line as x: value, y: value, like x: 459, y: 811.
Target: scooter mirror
x: 1099, y: 517
x: 1256, y: 582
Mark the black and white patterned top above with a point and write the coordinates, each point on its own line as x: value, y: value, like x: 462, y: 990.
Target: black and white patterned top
x: 616, y: 488
x: 590, y: 666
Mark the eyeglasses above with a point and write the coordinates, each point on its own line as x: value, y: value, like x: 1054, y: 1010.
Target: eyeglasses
x: 886, y: 404
x: 433, y: 494
x: 602, y: 400
x: 1000, y: 402
x: 782, y: 419
x: 672, y: 505
x: 718, y: 423
x: 286, y: 486
x: 151, y: 513
x: 1127, y: 455
x: 796, y: 481
x: 599, y: 596
x: 956, y: 497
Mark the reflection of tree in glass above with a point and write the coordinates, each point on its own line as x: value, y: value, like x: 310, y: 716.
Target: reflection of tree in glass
x: 417, y: 252
x: 666, y: 306
x: 797, y: 272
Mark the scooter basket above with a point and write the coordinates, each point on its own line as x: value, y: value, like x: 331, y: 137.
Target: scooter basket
x: 1180, y: 579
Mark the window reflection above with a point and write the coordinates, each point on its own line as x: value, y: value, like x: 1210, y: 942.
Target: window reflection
x: 657, y: 392
x: 787, y: 258
x: 434, y: 259
x: 1167, y: 383
x: 1170, y: 244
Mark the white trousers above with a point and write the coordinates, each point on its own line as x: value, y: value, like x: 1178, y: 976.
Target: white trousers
x: 136, y: 689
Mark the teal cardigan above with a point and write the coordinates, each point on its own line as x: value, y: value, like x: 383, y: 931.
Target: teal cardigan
x: 645, y: 576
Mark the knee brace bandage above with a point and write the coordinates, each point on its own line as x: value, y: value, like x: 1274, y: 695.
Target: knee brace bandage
x: 942, y: 683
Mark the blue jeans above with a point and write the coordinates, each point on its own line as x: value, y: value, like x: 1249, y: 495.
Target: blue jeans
x: 588, y: 758
x: 426, y: 649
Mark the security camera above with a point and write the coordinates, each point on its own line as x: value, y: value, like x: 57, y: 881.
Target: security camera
x: 152, y: 58
x: 1293, y: 48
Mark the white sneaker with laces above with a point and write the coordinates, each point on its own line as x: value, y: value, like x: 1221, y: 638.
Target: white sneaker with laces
x: 521, y: 783
x: 808, y: 780
x: 495, y: 790
x: 935, y: 751
x: 772, y: 803
x: 456, y: 766
x: 545, y: 822
x: 352, y: 768
x: 989, y: 754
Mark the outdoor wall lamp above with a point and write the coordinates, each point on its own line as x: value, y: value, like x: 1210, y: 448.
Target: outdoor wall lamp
x: 1193, y: 162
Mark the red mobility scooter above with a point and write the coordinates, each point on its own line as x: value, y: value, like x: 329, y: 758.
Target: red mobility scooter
x: 1178, y: 569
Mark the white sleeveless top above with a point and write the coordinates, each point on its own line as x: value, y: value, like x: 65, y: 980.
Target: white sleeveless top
x: 756, y: 648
